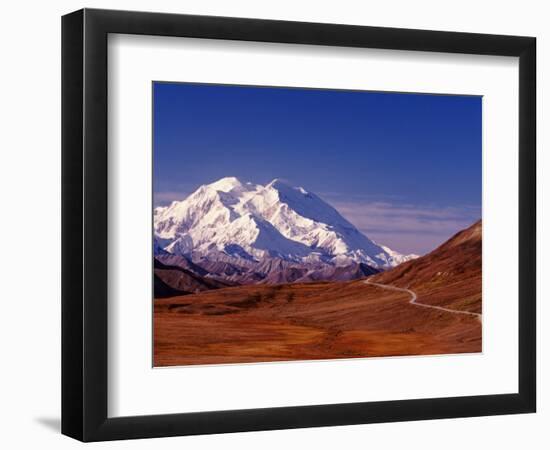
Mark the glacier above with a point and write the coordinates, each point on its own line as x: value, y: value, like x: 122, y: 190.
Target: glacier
x: 251, y: 222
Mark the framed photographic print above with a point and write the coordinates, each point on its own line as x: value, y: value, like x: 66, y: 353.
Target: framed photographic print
x: 273, y: 224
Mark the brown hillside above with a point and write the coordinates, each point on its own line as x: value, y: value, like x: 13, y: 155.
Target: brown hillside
x: 180, y: 279
x: 327, y: 320
x: 449, y: 276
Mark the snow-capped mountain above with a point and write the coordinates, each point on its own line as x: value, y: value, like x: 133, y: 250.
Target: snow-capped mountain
x: 398, y: 258
x: 250, y: 222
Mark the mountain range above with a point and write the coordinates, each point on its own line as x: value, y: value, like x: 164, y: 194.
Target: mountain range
x: 240, y: 232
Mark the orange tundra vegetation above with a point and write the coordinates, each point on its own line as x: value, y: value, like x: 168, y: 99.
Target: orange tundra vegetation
x: 326, y: 320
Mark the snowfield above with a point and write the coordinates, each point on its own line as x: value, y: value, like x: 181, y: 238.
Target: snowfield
x: 253, y: 222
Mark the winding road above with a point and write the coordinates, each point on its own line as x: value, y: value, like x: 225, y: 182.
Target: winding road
x: 413, y: 299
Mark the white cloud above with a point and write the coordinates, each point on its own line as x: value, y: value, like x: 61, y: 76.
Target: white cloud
x: 404, y: 227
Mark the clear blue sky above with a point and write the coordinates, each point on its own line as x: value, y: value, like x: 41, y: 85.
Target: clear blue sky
x: 404, y: 168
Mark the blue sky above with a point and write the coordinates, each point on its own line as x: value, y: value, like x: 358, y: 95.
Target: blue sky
x: 404, y: 168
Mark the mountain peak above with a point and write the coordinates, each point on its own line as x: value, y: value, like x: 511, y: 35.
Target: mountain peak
x: 226, y: 184
x: 285, y: 186
x: 278, y: 183
x: 261, y: 221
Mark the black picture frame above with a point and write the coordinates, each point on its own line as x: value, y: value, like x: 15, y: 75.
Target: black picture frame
x: 84, y: 224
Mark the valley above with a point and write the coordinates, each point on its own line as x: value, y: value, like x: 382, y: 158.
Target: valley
x: 357, y: 318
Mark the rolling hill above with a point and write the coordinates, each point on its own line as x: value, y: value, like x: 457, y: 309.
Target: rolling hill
x: 338, y: 319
